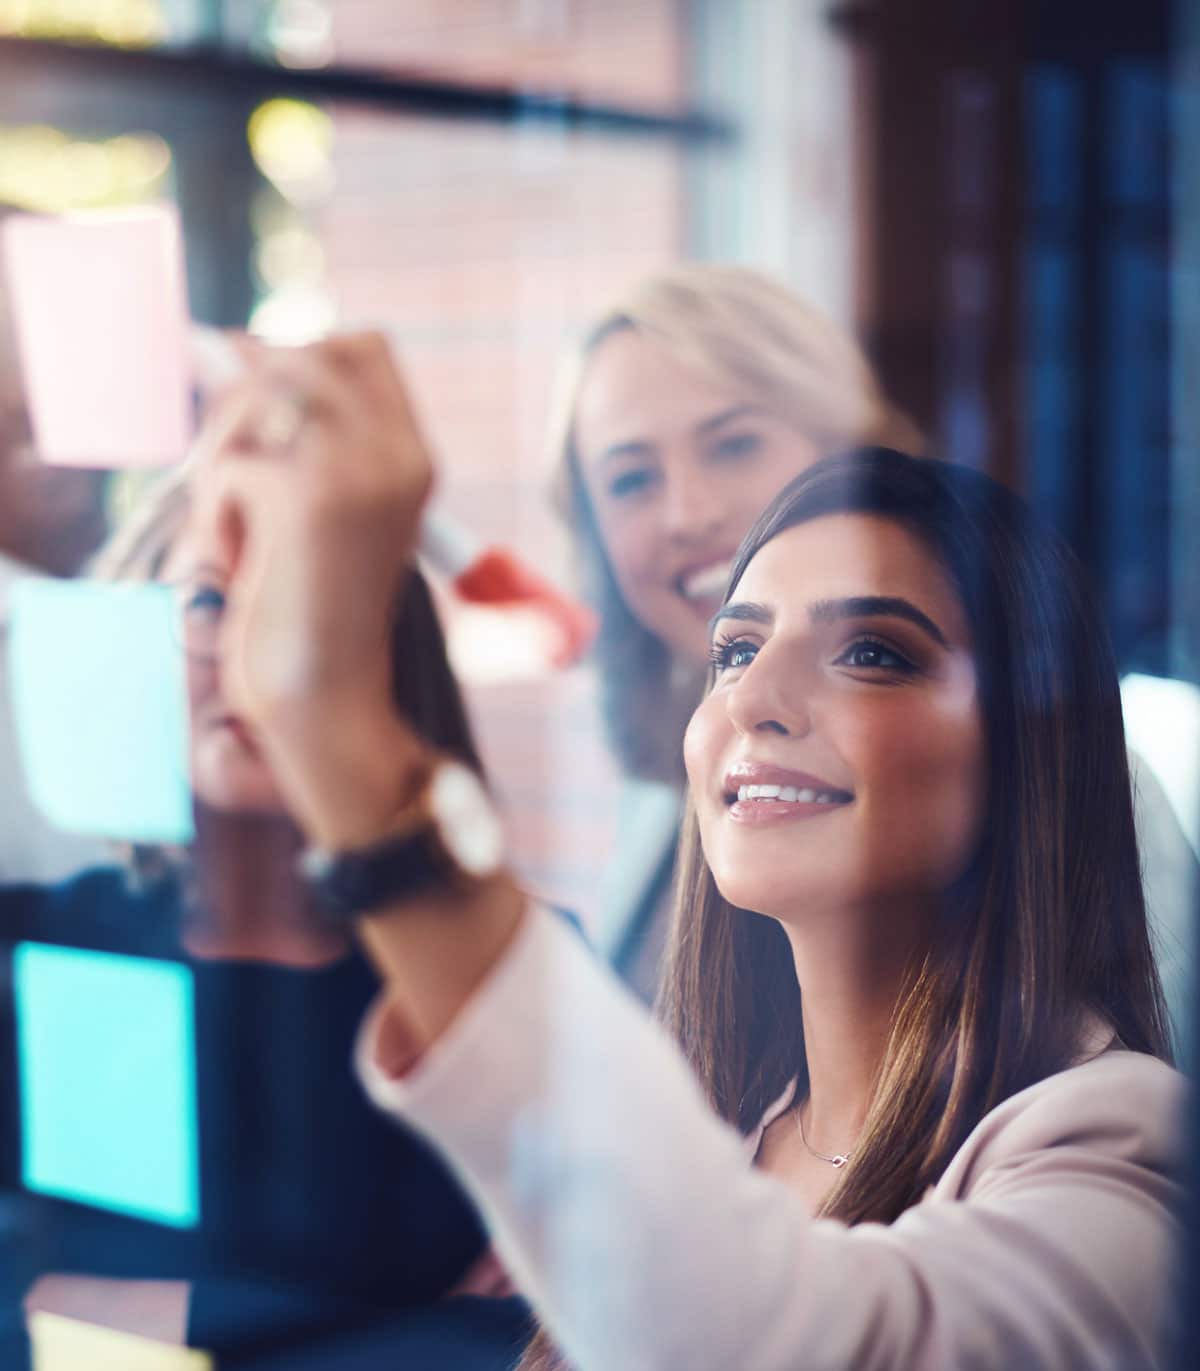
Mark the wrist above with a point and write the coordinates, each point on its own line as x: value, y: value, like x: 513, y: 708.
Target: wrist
x: 434, y: 956
x: 443, y: 847
x: 346, y: 767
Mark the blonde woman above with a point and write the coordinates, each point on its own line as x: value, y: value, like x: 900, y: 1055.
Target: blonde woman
x: 686, y: 406
x: 316, y: 1214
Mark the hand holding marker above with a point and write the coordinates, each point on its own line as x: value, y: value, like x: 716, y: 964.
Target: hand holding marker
x: 542, y: 627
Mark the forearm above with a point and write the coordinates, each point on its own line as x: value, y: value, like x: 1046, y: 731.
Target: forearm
x: 625, y: 1211
x: 433, y: 955
x: 351, y: 766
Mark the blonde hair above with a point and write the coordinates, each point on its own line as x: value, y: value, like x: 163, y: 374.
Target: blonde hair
x: 752, y: 336
x: 136, y: 552
x: 138, y: 547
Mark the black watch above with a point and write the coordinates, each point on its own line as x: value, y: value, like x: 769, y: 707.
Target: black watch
x: 450, y: 838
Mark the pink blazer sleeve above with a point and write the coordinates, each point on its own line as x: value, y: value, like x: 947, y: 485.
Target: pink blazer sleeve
x: 647, y: 1241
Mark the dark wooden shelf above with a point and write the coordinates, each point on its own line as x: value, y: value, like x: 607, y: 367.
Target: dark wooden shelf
x: 220, y: 71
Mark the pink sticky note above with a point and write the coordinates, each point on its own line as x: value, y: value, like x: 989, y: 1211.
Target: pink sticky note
x: 99, y: 305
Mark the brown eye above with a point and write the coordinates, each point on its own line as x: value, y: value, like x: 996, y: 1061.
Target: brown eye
x: 869, y: 654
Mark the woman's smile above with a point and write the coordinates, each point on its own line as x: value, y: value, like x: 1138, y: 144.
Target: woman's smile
x: 701, y: 583
x: 761, y: 793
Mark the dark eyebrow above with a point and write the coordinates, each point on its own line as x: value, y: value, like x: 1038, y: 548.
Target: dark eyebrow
x: 872, y: 606
x: 749, y: 610
x: 726, y: 416
x: 828, y: 611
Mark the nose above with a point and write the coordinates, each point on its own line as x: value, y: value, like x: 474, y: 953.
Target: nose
x: 692, y: 511
x: 770, y: 697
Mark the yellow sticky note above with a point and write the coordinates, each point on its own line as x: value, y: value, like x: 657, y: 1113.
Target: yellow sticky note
x: 62, y: 1344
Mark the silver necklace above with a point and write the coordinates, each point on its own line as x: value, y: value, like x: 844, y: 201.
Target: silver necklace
x: 838, y: 1160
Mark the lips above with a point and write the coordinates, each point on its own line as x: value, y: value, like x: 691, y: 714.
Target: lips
x: 703, y: 583
x: 758, y: 792
x: 239, y: 730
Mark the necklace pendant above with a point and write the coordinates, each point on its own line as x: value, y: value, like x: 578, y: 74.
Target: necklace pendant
x: 838, y: 1161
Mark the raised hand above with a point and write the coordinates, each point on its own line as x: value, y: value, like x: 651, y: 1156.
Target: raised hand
x: 311, y: 478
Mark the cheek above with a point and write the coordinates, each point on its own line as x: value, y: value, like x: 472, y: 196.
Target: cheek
x: 204, y: 704
x: 629, y: 545
x: 202, y: 689
x: 706, y: 744
x: 927, y: 792
x: 702, y: 743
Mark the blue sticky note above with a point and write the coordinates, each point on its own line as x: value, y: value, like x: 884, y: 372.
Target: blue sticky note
x: 106, y: 1058
x: 100, y: 706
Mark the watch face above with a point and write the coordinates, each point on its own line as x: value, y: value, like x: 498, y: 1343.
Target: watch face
x: 468, y: 825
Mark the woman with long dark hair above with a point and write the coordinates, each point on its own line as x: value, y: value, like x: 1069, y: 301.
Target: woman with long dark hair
x: 929, y: 1118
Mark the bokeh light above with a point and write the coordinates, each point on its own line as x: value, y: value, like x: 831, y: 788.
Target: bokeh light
x: 118, y: 23
x: 291, y: 142
x: 47, y: 170
x: 300, y: 33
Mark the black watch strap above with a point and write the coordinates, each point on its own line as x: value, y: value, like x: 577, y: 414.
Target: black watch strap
x: 347, y: 885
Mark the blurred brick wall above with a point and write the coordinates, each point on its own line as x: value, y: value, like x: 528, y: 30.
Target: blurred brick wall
x: 621, y: 50
x: 482, y: 248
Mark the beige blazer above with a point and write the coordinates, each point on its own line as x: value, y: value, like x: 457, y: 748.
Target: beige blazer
x: 648, y: 1241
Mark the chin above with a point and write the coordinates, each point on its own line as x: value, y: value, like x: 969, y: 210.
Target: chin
x: 755, y: 893
x: 230, y: 778
x: 249, y: 795
x: 791, y: 893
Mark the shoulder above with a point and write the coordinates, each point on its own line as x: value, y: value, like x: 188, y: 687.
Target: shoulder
x: 101, y: 888
x: 98, y: 908
x: 1124, y: 1107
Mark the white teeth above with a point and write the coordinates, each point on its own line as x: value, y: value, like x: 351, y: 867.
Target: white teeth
x: 710, y: 581
x: 788, y: 794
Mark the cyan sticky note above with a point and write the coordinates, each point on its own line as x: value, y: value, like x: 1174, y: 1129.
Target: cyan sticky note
x: 100, y: 707
x: 106, y: 1059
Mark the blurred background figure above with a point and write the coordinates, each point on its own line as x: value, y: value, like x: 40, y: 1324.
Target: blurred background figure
x: 689, y: 404
x: 51, y: 520
x: 320, y: 1218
